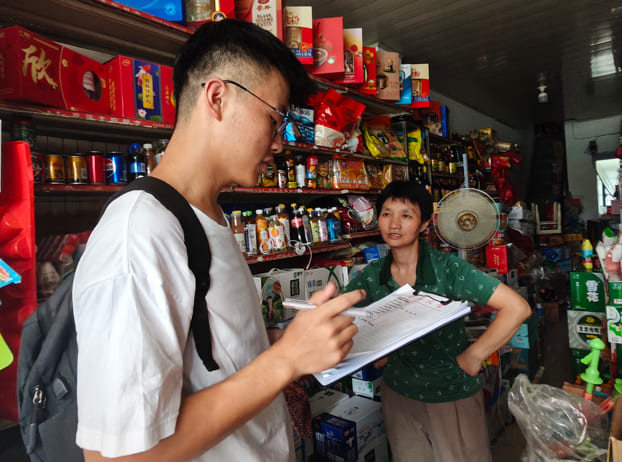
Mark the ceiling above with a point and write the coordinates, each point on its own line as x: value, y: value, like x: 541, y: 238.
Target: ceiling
x: 487, y: 54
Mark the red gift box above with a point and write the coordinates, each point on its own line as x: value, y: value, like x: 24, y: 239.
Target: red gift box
x: 369, y: 71
x: 328, y: 47
x: 34, y: 69
x: 169, y: 107
x: 299, y: 32
x: 134, y: 89
x: 353, y: 56
x: 267, y: 14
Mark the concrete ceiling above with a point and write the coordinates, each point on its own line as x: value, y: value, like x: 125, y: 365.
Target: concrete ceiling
x: 487, y: 54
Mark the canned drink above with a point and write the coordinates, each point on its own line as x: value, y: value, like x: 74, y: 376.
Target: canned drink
x: 38, y: 167
x: 75, y: 169
x: 116, y: 168
x: 96, y: 167
x: 54, y: 168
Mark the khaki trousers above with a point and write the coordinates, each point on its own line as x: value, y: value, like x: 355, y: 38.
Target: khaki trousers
x: 436, y: 432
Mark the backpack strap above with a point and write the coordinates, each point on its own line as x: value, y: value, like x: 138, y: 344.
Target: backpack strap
x: 199, y: 257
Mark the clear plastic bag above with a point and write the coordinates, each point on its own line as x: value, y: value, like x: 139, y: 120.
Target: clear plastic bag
x: 558, y: 425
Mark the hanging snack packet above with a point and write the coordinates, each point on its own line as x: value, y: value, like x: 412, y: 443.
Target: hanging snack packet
x: 336, y: 118
x: 300, y: 128
x: 380, y: 128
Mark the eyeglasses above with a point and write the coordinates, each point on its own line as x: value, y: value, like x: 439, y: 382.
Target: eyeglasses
x: 285, y: 116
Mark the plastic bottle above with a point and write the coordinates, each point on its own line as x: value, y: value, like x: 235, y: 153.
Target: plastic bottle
x: 306, y: 226
x: 277, y: 234
x: 334, y: 225
x: 136, y: 161
x: 613, y: 262
x: 588, y: 251
x: 315, y: 227
x: 263, y: 238
x: 150, y: 161
x: 250, y: 234
x: 323, y: 226
x: 312, y: 169
x: 301, y: 172
x: 237, y: 227
x: 283, y: 217
x: 297, y: 230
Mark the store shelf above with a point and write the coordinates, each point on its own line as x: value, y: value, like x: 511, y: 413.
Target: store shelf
x: 324, y: 150
x: 76, y: 189
x: 84, y: 125
x: 441, y: 139
x: 362, y: 234
x: 315, y: 249
x: 104, y: 25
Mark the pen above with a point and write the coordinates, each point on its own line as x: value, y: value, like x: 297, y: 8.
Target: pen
x: 305, y: 305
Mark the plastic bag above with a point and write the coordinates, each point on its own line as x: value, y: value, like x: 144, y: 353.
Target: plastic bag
x: 556, y: 424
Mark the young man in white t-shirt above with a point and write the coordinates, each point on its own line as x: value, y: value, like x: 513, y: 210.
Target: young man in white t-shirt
x: 143, y: 392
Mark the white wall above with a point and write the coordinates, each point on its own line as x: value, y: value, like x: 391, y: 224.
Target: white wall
x: 464, y: 119
x: 581, y: 172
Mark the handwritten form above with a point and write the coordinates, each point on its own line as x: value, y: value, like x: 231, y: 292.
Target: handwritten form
x: 393, y: 321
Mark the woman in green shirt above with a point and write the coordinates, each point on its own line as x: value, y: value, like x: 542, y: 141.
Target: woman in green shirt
x: 432, y: 400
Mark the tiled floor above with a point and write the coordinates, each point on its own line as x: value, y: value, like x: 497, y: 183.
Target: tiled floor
x: 507, y: 446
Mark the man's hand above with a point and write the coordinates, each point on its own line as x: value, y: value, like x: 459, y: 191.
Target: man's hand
x: 319, y: 338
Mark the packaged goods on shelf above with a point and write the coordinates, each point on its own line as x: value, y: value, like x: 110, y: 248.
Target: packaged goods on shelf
x: 302, y: 127
x: 169, y: 106
x: 266, y: 14
x: 199, y: 12
x: 299, y: 32
x: 37, y: 70
x: 336, y: 117
x: 369, y: 86
x: 587, y: 291
x: 388, y: 76
x: 420, y: 77
x: 393, y: 172
x: 380, y: 139
x: 584, y: 326
x: 406, y: 91
x: 353, y: 57
x: 170, y: 10
x: 348, y: 174
x: 135, y: 88
x: 328, y: 47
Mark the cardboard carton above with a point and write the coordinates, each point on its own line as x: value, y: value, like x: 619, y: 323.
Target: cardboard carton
x: 387, y: 75
x: 169, y: 106
x: 420, y: 76
x: 267, y: 14
x: 299, y: 32
x: 34, y: 69
x: 369, y: 86
x: 328, y: 47
x: 406, y: 92
x: 352, y: 57
x: 587, y: 291
x: 583, y: 326
x: 135, y: 90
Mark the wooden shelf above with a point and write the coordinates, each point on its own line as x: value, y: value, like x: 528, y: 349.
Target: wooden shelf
x: 324, y: 150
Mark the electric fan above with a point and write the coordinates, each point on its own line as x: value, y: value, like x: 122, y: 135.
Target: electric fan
x: 466, y: 219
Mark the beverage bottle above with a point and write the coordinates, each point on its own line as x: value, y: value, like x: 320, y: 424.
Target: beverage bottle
x: 237, y: 227
x: 323, y: 226
x: 277, y: 234
x: 312, y: 169
x: 263, y: 238
x: 150, y: 161
x: 283, y: 217
x: 250, y: 234
x: 315, y: 227
x: 334, y: 225
x: 297, y: 231
x: 291, y: 173
x: 136, y: 162
x: 301, y: 172
x: 306, y: 226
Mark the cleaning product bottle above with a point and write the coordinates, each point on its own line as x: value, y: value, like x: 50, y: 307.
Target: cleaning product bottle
x: 588, y: 251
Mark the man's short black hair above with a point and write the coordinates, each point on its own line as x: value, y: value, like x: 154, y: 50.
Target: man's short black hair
x: 407, y: 191
x: 231, y: 41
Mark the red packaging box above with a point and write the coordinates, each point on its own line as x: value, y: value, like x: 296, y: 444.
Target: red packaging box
x: 353, y: 56
x: 388, y: 76
x: 34, y: 69
x: 420, y: 77
x: 328, y: 47
x: 503, y: 258
x: 299, y: 32
x: 134, y: 87
x: 267, y: 14
x: 369, y: 71
x: 169, y: 107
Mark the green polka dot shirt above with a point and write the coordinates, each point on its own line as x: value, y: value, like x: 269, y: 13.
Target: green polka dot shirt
x: 426, y: 370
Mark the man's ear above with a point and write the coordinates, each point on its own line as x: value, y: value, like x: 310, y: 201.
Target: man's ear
x: 213, y: 91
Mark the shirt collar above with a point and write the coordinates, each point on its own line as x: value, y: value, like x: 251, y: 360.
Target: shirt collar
x: 425, y: 270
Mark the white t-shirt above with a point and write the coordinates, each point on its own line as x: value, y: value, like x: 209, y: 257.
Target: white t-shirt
x: 133, y: 299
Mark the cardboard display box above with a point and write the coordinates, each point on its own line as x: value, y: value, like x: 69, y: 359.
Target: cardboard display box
x: 299, y: 32
x: 34, y: 69
x: 388, y: 75
x: 583, y: 326
x: 267, y: 14
x: 328, y: 47
x: 587, y: 292
x: 352, y: 57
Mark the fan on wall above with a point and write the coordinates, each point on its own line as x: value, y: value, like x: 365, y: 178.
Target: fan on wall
x: 466, y: 219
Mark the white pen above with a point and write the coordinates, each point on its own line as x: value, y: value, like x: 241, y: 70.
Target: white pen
x: 296, y: 304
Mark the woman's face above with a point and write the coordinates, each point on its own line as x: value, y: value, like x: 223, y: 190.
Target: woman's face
x: 400, y: 222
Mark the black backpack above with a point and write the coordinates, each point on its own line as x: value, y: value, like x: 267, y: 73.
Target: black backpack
x: 46, y: 367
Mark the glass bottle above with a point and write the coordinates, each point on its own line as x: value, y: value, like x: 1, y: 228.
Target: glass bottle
x: 136, y: 161
x: 237, y: 227
x: 250, y: 234
x: 150, y: 162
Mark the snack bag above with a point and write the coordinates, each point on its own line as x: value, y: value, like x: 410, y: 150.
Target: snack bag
x: 380, y: 128
x: 336, y: 118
